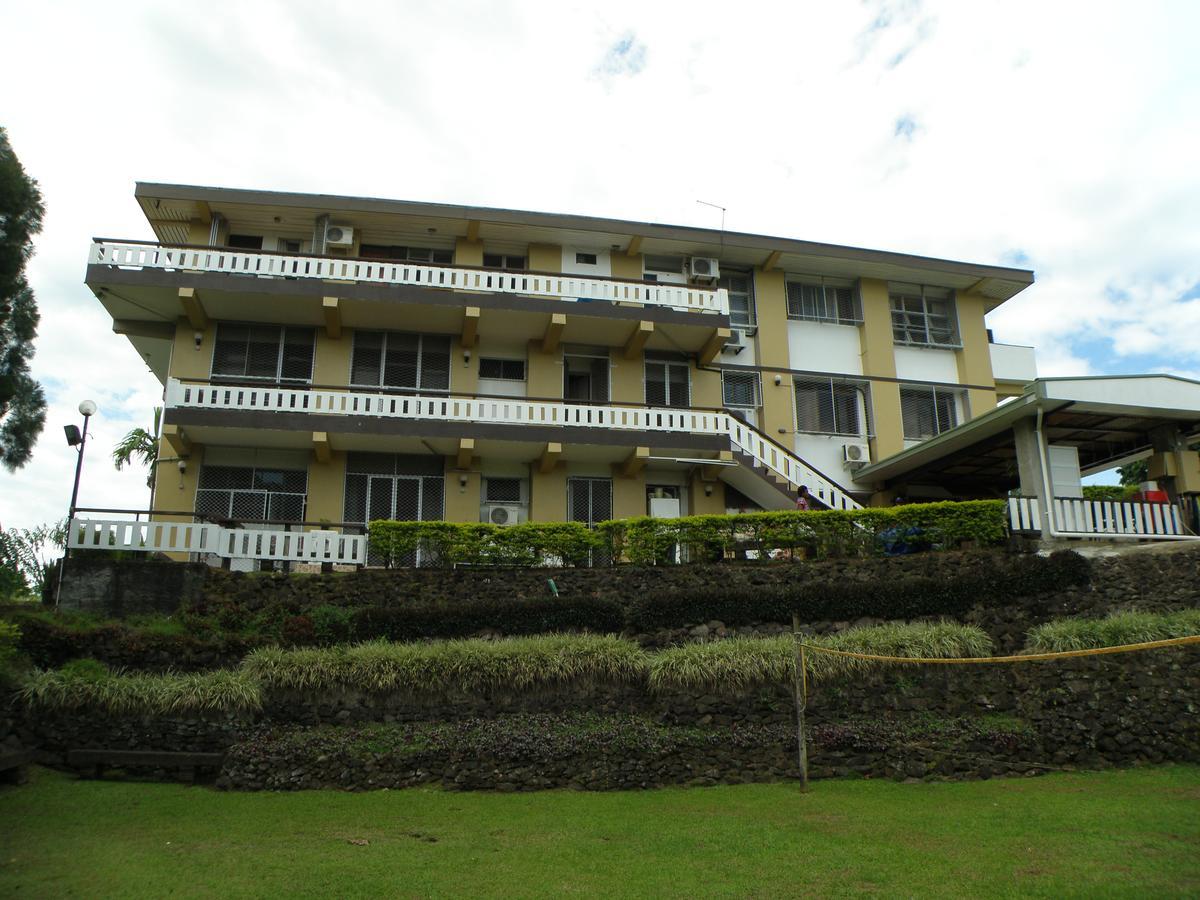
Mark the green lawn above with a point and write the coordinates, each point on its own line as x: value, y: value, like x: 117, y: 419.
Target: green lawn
x: 1125, y: 833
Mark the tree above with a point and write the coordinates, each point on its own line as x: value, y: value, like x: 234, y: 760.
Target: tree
x: 22, y: 402
x: 23, y: 552
x: 1135, y: 473
x: 141, y: 445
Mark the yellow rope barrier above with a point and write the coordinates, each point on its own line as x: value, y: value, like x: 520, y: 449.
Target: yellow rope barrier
x: 1029, y: 657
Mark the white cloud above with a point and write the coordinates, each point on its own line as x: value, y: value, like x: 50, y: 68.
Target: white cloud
x: 1038, y: 133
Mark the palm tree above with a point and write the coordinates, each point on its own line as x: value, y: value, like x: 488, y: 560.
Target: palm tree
x: 140, y: 445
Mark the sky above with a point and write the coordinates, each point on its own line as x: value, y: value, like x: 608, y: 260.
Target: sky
x: 1057, y: 136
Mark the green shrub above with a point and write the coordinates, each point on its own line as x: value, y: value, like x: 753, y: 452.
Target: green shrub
x: 10, y: 636
x: 537, y: 615
x: 86, y: 686
x: 739, y: 663
x: 1112, y: 492
x: 480, y: 544
x: 332, y: 624
x: 1112, y: 631
x: 451, y: 666
x: 991, y: 582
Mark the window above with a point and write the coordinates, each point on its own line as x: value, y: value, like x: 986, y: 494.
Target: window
x: 246, y: 241
x: 837, y: 304
x: 504, y: 261
x: 269, y: 352
x: 407, y: 254
x: 667, y: 383
x: 287, y: 245
x: 739, y: 388
x: 419, y: 362
x: 505, y: 369
x: 585, y: 376
x: 503, y: 490
x: 741, y: 297
x: 928, y: 411
x: 589, y: 500
x: 922, y: 315
x: 668, y: 265
x: 585, y: 259
x: 249, y: 493
x: 831, y: 406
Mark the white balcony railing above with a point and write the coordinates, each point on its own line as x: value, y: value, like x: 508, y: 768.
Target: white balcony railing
x: 1100, y: 518
x: 228, y: 543
x: 570, y: 288
x: 515, y: 411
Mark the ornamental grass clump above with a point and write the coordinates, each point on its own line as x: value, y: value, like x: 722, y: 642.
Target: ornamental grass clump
x: 89, y: 686
x: 1112, y: 631
x: 738, y: 663
x: 452, y: 666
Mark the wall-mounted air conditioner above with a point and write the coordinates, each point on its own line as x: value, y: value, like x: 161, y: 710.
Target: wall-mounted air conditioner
x: 855, y: 456
x: 703, y: 268
x: 339, y: 236
x: 735, y: 343
x: 504, y: 513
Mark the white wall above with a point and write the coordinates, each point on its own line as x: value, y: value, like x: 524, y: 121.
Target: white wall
x: 824, y: 453
x: 602, y: 269
x: 823, y: 347
x: 926, y: 364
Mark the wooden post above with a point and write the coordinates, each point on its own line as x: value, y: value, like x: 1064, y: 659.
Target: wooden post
x: 799, y: 693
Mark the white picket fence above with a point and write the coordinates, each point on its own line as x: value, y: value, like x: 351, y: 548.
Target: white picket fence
x: 229, y: 543
x: 515, y: 411
x: 1075, y: 516
x: 574, y: 288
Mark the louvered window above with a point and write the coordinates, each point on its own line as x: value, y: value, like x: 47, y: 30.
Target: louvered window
x: 247, y: 493
x: 267, y: 352
x: 741, y: 297
x: 407, y: 254
x: 502, y: 369
x: 928, y: 411
x: 418, y: 362
x: 831, y: 406
x: 837, y: 304
x: 923, y: 316
x: 739, y: 389
x: 504, y: 261
x: 667, y: 383
x: 502, y: 490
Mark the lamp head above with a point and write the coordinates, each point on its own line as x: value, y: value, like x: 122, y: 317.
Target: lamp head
x: 87, y: 409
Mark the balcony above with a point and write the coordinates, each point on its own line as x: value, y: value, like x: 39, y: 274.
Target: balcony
x: 262, y: 264
x: 1013, y: 363
x: 253, y: 408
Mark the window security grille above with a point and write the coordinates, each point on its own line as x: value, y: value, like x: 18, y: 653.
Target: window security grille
x: 427, y: 255
x: 823, y: 303
x: 585, y: 259
x: 268, y: 352
x: 502, y: 490
x: 831, y: 406
x: 503, y: 369
x: 741, y: 297
x: 246, y: 493
x: 589, y: 500
x: 245, y: 241
x: 928, y: 411
x: 419, y: 362
x: 400, y: 488
x: 667, y: 384
x: 923, y: 316
x: 504, y: 261
x: 739, y: 388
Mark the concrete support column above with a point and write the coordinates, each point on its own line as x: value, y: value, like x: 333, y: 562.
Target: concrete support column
x: 1029, y: 468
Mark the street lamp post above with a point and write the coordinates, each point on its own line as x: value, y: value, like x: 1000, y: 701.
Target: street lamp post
x: 78, y: 440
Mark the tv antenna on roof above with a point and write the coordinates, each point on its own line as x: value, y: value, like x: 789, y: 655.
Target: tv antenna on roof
x: 715, y: 206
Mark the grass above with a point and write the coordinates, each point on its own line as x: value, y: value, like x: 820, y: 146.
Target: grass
x: 1111, y: 631
x: 88, y: 686
x: 1132, y: 833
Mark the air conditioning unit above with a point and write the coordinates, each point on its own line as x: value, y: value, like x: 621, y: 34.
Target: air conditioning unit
x: 339, y: 236
x: 504, y: 513
x: 735, y: 343
x: 855, y: 456
x: 703, y: 268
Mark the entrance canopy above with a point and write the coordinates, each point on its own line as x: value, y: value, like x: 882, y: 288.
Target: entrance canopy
x: 1111, y: 420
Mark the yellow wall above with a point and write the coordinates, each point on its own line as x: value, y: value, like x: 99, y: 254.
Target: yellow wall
x: 186, y: 360
x: 975, y: 357
x: 462, y: 503
x: 468, y: 253
x: 879, y: 360
x: 626, y: 378
x: 175, y: 491
x: 544, y: 372
x: 770, y: 294
x: 326, y: 485
x: 545, y: 258
x: 548, y: 494
x: 629, y: 495
x: 701, y: 504
x: 331, y: 358
x: 706, y: 388
x: 626, y: 266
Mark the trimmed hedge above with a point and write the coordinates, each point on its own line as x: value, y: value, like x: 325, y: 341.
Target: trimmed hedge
x: 649, y: 541
x: 906, y: 597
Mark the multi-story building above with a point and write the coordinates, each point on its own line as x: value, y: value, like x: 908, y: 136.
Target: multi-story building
x: 336, y: 360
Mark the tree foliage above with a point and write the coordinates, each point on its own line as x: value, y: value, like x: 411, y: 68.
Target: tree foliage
x: 1135, y: 473
x: 140, y: 445
x: 22, y: 401
x: 23, y: 554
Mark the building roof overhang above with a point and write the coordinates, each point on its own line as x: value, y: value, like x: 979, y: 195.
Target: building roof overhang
x: 171, y: 207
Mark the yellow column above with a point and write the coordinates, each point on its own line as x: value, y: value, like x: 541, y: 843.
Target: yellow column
x: 331, y: 358
x: 626, y: 266
x: 879, y: 359
x: 326, y: 489
x: 544, y: 373
x: 188, y: 360
x: 706, y: 498
x: 770, y: 295
x: 468, y: 253
x: 548, y: 495
x: 706, y: 388
x: 975, y: 357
